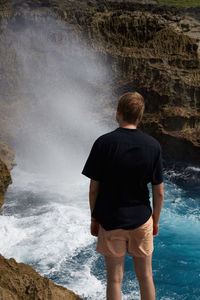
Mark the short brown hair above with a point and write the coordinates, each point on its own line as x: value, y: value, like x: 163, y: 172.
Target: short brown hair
x: 131, y: 106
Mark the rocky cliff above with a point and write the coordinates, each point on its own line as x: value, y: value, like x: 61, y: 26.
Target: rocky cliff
x: 21, y: 282
x: 6, y: 164
x: 154, y: 49
x: 151, y: 48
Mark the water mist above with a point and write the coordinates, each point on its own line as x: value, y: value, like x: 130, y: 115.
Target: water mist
x: 45, y: 218
x: 56, y: 123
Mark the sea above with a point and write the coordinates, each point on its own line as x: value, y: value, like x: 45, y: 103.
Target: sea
x: 46, y: 223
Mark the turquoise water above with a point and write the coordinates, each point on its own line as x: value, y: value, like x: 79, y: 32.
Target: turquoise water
x: 46, y: 225
x: 176, y: 258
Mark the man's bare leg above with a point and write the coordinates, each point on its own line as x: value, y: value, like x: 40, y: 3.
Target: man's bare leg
x: 115, y: 272
x: 143, y: 271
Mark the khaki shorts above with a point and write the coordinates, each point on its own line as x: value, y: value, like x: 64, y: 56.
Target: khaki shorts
x: 137, y: 242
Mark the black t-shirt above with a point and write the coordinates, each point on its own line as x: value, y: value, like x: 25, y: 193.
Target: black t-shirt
x: 124, y: 161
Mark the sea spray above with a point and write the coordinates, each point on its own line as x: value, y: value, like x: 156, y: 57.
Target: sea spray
x: 45, y: 219
x: 59, y: 116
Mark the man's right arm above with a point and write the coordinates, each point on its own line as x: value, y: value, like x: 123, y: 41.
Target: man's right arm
x: 158, y: 198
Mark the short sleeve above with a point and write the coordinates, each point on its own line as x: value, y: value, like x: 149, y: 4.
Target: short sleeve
x: 94, y: 165
x: 157, y: 175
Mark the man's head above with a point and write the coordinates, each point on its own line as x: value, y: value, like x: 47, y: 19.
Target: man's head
x: 131, y: 107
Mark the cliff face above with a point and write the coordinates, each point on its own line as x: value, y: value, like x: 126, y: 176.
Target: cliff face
x: 153, y: 49
x: 6, y: 164
x: 5, y: 180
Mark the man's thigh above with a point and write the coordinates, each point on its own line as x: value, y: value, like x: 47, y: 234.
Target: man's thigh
x: 115, y: 268
x: 143, y: 266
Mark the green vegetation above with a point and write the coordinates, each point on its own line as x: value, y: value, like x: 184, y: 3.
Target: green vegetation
x: 180, y: 3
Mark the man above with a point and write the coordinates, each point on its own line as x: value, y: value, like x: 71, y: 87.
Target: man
x: 120, y: 165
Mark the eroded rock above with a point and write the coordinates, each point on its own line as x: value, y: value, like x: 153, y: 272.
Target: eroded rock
x: 19, y: 281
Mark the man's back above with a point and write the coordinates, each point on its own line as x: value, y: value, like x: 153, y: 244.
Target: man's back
x: 124, y: 161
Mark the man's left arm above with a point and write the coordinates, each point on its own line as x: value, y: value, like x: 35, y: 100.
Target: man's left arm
x: 93, y: 193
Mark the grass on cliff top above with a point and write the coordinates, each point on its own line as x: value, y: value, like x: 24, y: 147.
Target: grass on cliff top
x: 180, y: 3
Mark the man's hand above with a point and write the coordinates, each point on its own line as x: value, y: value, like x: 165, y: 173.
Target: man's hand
x: 94, y: 190
x: 155, y: 228
x: 158, y: 197
x: 94, y: 227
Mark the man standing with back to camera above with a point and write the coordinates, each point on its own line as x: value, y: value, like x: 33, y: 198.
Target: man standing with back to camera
x: 120, y: 165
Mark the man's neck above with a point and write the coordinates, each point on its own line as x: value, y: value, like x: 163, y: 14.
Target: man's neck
x: 127, y: 125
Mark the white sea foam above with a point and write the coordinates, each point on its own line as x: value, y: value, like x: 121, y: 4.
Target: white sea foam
x: 46, y: 240
x: 59, y: 224
x: 10, y: 235
x: 88, y: 285
x: 192, y: 168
